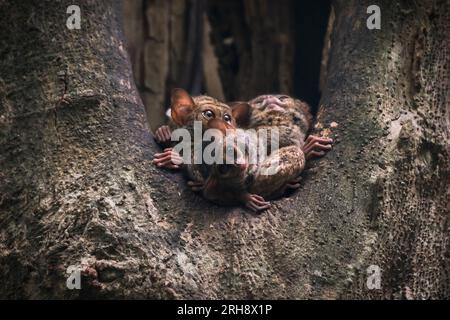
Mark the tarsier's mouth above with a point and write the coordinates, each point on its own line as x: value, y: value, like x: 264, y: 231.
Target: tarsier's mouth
x: 230, y: 169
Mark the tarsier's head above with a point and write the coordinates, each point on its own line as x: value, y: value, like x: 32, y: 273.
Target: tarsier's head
x: 226, y: 181
x: 186, y: 109
x: 213, y: 114
x: 273, y: 102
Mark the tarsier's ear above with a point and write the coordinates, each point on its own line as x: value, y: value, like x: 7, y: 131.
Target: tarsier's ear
x: 241, y: 111
x: 181, y: 106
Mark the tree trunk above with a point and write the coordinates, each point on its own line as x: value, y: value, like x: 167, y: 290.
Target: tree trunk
x: 165, y: 54
x: 78, y: 188
x: 388, y: 91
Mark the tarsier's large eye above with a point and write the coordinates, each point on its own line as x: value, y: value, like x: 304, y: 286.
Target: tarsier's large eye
x: 227, y: 118
x: 208, y: 114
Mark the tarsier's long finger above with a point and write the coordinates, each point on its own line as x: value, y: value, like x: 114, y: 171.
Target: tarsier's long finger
x: 316, y: 146
x: 158, y: 135
x: 169, y: 154
x: 161, y: 162
x: 319, y: 139
x: 258, y: 202
x: 252, y: 207
x: 258, y: 197
x: 163, y: 154
x: 167, y: 133
x: 175, y: 155
x: 162, y: 157
x: 296, y: 180
x: 196, y: 185
x: 255, y: 207
x: 169, y: 160
x: 168, y: 164
x: 162, y: 134
x: 314, y: 150
x: 321, y: 146
x: 293, y: 185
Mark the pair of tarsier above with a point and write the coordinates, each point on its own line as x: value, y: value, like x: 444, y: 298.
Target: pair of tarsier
x: 244, y: 183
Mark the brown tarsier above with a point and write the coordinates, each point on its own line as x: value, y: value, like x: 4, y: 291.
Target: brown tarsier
x: 184, y: 111
x: 248, y: 183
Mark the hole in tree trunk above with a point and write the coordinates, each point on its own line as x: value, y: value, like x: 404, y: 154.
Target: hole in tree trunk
x: 231, y: 50
x: 311, y: 26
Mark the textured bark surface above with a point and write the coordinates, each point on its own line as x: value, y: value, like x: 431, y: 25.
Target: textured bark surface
x: 389, y: 90
x: 78, y: 188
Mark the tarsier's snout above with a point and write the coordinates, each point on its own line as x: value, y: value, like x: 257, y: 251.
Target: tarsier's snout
x: 220, y: 125
x: 232, y: 160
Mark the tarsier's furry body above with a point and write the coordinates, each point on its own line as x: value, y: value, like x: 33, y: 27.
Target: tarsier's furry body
x: 247, y: 183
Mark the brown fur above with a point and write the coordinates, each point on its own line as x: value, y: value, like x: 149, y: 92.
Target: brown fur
x: 293, y: 123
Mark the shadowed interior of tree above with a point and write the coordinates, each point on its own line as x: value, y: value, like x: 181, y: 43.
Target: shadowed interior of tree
x: 232, y: 50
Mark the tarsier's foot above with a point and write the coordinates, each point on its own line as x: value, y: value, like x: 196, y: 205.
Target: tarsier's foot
x: 168, y: 159
x: 162, y: 134
x: 256, y: 203
x: 316, y: 146
x: 294, y: 183
x: 196, y: 185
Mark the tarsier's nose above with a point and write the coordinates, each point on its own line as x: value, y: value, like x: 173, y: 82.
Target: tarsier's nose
x: 272, y: 102
x: 220, y: 125
x: 272, y: 99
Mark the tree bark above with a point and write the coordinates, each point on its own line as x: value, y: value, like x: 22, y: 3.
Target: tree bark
x: 78, y: 187
x: 388, y: 92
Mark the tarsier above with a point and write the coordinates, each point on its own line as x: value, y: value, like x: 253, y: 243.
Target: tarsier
x: 245, y: 183
x: 184, y: 111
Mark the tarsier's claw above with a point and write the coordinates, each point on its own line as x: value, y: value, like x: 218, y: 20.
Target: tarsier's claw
x: 256, y: 203
x: 316, y: 146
